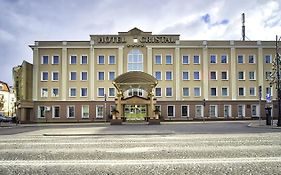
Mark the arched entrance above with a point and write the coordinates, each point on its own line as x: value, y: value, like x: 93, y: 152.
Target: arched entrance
x: 135, y: 97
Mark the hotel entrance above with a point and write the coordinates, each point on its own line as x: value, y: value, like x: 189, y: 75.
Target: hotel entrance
x: 135, y: 112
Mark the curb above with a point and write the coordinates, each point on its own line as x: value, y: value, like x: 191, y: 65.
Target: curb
x: 263, y: 126
x: 110, y: 134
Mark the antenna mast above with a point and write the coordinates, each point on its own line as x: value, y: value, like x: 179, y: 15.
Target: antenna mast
x: 243, y: 27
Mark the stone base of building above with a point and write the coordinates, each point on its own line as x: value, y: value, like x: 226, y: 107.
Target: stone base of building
x: 154, y: 121
x: 116, y: 121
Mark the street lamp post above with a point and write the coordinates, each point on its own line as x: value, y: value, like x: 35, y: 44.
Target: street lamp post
x: 204, y: 104
x: 105, y: 108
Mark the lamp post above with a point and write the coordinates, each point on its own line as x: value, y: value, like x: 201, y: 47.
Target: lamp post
x: 204, y: 104
x: 105, y: 108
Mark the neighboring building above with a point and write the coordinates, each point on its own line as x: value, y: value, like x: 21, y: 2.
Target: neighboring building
x: 7, y: 100
x: 196, y: 78
x: 23, y: 77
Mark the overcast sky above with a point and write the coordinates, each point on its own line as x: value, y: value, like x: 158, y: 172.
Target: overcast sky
x: 24, y: 21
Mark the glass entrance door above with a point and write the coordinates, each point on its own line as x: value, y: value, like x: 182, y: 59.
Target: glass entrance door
x: 135, y: 112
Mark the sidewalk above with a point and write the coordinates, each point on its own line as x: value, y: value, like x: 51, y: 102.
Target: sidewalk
x: 262, y: 124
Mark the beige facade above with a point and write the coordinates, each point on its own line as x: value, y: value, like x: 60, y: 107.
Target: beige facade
x: 196, y: 79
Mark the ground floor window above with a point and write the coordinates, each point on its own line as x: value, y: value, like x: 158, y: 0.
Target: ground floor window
x: 71, y: 111
x: 227, y: 111
x: 255, y: 110
x: 185, y: 111
x: 241, y: 111
x: 55, y: 111
x: 171, y: 111
x: 41, y: 111
x: 85, y: 111
x: 99, y: 111
x: 198, y: 111
x: 213, y: 111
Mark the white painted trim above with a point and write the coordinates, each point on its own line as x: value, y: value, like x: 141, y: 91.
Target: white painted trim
x: 187, y: 111
x: 53, y: 111
x: 161, y: 59
x: 108, y: 61
x: 81, y: 92
x: 69, y: 92
x: 52, y: 95
x: 174, y: 111
x: 67, y: 108
x: 171, y: 59
x: 70, y: 59
x: 82, y: 111
x: 81, y: 59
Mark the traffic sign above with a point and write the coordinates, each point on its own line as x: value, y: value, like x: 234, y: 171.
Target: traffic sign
x: 268, y: 98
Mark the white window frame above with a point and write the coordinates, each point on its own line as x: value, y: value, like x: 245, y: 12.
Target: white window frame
x: 42, y: 96
x: 174, y: 111
x: 216, y: 110
x: 109, y: 75
x: 84, y: 55
x: 226, y: 58
x: 166, y: 75
x: 201, y: 109
x: 216, y: 72
x: 53, y: 59
x: 109, y: 92
x: 81, y: 92
x: 254, y: 57
x: 99, y: 116
x: 183, y: 91
x: 243, y: 76
x: 254, y: 76
x: 160, y: 91
x: 68, y: 111
x: 199, y: 91
x: 243, y: 58
x: 187, y: 111
x: 199, y: 59
x: 53, y: 111
x: 42, y: 60
x: 98, y: 60
x: 227, y: 90
x: 43, y: 76
x: 254, y: 91
x: 98, y: 78
x: 224, y: 113
x: 81, y: 75
x: 166, y: 59
x: 98, y: 91
x: 227, y: 78
x: 39, y: 112
x: 216, y: 92
x: 188, y: 59
x: 270, y: 58
x: 70, y: 59
x: 188, y: 78
x: 243, y: 110
x: 243, y: 91
x: 257, y: 110
x: 69, y: 91
x: 160, y: 75
x: 216, y: 57
x: 199, y: 75
x: 82, y: 111
x: 160, y: 59
x: 53, y: 75
x: 109, y: 59
x: 70, y: 77
x: 266, y: 72
x: 52, y: 94
x: 166, y: 92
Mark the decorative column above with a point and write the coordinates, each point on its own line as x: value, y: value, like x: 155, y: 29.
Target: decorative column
x: 149, y: 60
x: 120, y: 60
x: 92, y: 73
x: 64, y: 80
x: 35, y: 72
x: 205, y: 71
x: 260, y: 68
x: 233, y: 72
x: 177, y: 73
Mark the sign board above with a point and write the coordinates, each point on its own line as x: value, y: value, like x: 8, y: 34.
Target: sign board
x: 268, y: 98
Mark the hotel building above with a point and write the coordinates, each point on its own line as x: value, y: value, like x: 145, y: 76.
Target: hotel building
x: 75, y: 81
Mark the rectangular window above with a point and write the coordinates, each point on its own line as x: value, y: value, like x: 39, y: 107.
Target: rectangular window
x: 72, y: 92
x: 55, y: 92
x: 241, y: 75
x: 111, y: 92
x: 99, y: 111
x: 158, y: 75
x: 169, y: 59
x: 55, y: 76
x: 224, y: 75
x: 158, y: 59
x: 252, y: 91
x: 85, y: 111
x: 101, y: 59
x: 45, y: 59
x: 84, y: 59
x: 213, y: 59
x: 171, y: 111
x: 44, y: 92
x: 56, y: 59
x: 158, y: 92
x: 197, y: 92
x: 268, y: 75
x: 252, y: 59
x: 255, y: 110
x: 73, y: 76
x: 84, y: 92
x: 44, y: 76
x: 240, y: 59
x: 84, y: 76
x: 100, y: 75
x: 241, y: 91
x: 196, y: 59
x: 213, y: 91
x: 185, y: 91
x: 241, y: 111
x: 169, y: 92
x: 224, y: 59
x: 227, y: 111
x: 224, y: 91
x: 185, y: 75
x: 70, y: 111
x: 184, y: 111
x: 169, y: 75
x: 185, y: 59
x: 198, y: 111
x: 196, y: 75
x: 252, y: 75
x: 111, y: 76
x: 73, y: 59
x: 268, y: 59
x: 111, y: 59
x: 55, y: 111
x: 213, y: 75
x: 101, y: 92
x: 41, y: 112
x: 213, y: 111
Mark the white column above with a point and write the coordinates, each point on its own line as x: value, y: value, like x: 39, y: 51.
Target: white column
x: 205, y: 72
x: 36, y: 73
x: 177, y: 73
x: 149, y: 60
x: 92, y: 74
x: 120, y: 61
x: 64, y: 80
x: 233, y: 74
x: 260, y: 76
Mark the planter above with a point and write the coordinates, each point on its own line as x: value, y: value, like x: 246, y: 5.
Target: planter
x: 154, y: 121
x: 116, y: 122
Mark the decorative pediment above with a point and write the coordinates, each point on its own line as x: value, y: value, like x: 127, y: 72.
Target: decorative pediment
x: 135, y: 100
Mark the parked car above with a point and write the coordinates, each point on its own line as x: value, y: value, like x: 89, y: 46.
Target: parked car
x: 6, y: 119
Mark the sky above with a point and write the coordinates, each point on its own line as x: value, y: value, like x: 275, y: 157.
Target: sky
x: 24, y: 21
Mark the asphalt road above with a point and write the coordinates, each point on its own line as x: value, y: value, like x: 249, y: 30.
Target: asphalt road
x: 181, y: 150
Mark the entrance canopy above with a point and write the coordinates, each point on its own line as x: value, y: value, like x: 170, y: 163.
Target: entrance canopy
x: 135, y: 79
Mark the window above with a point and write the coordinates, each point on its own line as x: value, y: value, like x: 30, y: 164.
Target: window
x: 169, y: 92
x: 213, y: 75
x: 135, y: 60
x: 224, y: 59
x: 72, y: 92
x: 213, y: 91
x: 158, y: 92
x: 171, y: 111
x: 45, y: 59
x: 184, y: 111
x: 196, y: 75
x: 84, y: 76
x: 185, y: 91
x: 84, y: 92
x: 224, y: 91
x: 85, y: 111
x: 70, y: 111
x: 55, y: 76
x: 252, y: 91
x: 111, y: 59
x: 268, y: 59
x: 44, y: 76
x: 198, y: 111
x: 227, y: 111
x: 197, y: 92
x: 213, y: 59
x: 84, y: 59
x: 101, y: 59
x: 100, y: 75
x: 241, y: 91
x: 44, y: 92
x: 196, y: 59
x: 111, y: 92
x: 268, y: 75
x: 185, y: 75
x: 185, y: 59
x: 169, y: 75
x: 241, y: 75
x: 41, y: 111
x: 101, y: 92
x: 252, y: 59
x: 224, y: 75
x: 99, y: 111
x: 73, y: 76
x: 55, y: 111
x: 73, y: 59
x: 158, y: 75
x: 111, y: 76
x: 56, y: 59
x: 55, y: 92
x: 158, y: 59
x: 255, y: 110
x: 213, y: 111
x: 241, y: 111
x: 252, y: 75
x: 240, y: 59
x: 169, y: 59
